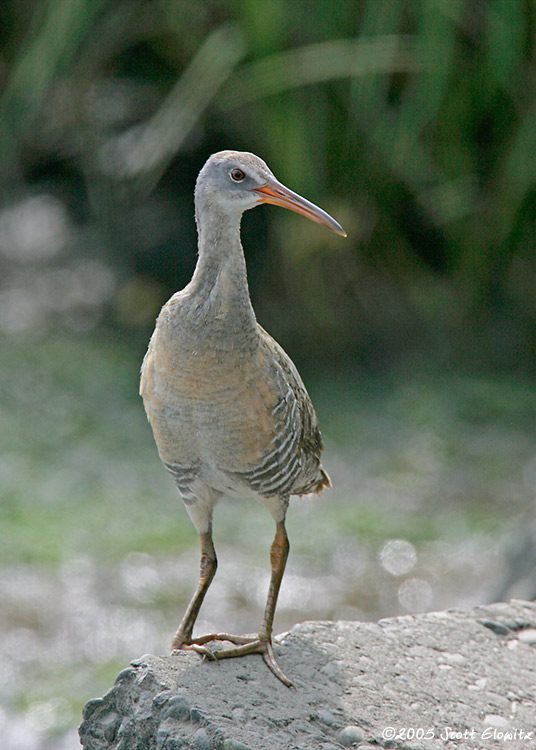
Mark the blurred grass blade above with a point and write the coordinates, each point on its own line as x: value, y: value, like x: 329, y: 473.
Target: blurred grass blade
x: 58, y: 29
x: 368, y: 97
x: 519, y: 172
x: 505, y: 39
x: 141, y: 154
x: 318, y: 63
x: 393, y: 114
x: 397, y: 130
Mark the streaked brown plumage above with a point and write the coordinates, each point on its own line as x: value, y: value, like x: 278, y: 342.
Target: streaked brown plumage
x: 229, y: 411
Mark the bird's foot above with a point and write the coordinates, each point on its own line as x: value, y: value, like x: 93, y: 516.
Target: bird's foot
x: 244, y: 645
x: 182, y: 642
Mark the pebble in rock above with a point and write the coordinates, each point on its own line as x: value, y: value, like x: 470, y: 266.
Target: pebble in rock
x: 326, y: 717
x: 496, y: 627
x: 239, y: 714
x: 201, y: 740
x: 494, y: 720
x: 527, y: 636
x: 350, y: 736
x: 234, y: 745
x: 177, y: 707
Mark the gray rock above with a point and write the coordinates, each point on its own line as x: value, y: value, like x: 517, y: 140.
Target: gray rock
x: 326, y: 717
x: 402, y: 682
x: 234, y: 745
x: 497, y: 627
x: 201, y: 740
x: 350, y: 736
x: 176, y: 708
x: 527, y: 636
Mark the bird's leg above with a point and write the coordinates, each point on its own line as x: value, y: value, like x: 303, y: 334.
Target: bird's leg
x: 278, y: 558
x: 209, y: 563
x: 262, y: 643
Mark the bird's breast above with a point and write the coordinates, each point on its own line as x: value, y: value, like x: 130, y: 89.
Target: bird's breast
x: 207, y: 403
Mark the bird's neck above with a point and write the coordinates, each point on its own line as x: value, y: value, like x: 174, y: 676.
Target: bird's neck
x: 219, y: 286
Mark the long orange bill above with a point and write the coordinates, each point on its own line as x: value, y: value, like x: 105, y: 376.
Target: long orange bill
x: 276, y: 193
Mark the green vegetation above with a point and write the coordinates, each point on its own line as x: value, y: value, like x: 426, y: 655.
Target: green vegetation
x: 412, y: 122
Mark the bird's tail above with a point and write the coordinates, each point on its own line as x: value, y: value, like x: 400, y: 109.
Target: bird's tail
x: 325, y: 481
x: 316, y: 485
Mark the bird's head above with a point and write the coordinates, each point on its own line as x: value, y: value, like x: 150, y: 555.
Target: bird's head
x: 237, y: 180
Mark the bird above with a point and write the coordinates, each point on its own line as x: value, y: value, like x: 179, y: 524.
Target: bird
x: 228, y: 409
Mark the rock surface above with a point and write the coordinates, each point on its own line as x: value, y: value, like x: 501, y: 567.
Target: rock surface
x: 441, y: 680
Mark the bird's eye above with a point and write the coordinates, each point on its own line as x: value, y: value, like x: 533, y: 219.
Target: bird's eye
x: 237, y: 175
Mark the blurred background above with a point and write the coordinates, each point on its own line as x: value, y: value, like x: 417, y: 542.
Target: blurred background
x: 414, y: 124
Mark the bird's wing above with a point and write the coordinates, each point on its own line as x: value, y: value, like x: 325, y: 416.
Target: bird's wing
x: 292, y: 465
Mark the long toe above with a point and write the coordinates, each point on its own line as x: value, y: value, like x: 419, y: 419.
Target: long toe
x: 273, y: 666
x: 203, y: 651
x: 244, y: 645
x: 238, y: 640
x: 199, y: 644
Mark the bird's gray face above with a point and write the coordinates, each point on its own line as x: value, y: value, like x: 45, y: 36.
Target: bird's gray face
x: 231, y: 178
x: 238, y: 180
